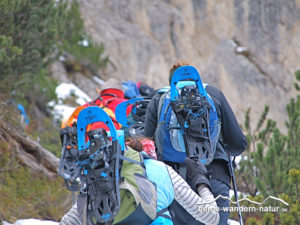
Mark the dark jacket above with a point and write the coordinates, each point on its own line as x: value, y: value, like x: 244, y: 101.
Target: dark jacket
x: 231, y: 139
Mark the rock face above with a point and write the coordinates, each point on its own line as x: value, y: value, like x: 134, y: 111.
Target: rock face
x: 248, y: 48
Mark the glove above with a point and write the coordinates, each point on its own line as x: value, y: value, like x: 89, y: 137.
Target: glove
x: 196, y: 173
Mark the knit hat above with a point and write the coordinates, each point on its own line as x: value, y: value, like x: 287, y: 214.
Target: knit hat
x: 149, y: 147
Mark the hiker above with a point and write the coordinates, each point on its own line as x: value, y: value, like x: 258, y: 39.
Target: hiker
x: 108, y: 100
x: 147, y: 186
x: 231, y: 140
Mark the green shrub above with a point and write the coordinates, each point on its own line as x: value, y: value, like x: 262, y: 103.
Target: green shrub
x: 253, y: 221
x: 29, y: 33
x: 80, y: 45
x: 272, y: 165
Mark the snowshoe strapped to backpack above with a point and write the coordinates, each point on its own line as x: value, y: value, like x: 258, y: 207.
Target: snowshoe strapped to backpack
x: 108, y: 100
x: 187, y: 120
x: 99, y: 161
x: 70, y: 155
x: 135, y: 121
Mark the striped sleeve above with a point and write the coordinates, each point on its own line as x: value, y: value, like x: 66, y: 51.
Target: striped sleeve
x: 192, y: 203
x: 71, y: 217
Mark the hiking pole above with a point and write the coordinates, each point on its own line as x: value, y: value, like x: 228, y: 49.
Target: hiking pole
x: 235, y: 189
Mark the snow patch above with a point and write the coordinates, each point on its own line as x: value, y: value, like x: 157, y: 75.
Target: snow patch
x: 62, y: 58
x: 62, y: 111
x: 66, y: 90
x: 63, y: 92
x: 241, y: 49
x: 32, y: 222
x: 84, y: 43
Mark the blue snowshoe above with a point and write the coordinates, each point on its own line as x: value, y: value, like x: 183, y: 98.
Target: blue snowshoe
x: 99, y: 159
x: 195, y: 113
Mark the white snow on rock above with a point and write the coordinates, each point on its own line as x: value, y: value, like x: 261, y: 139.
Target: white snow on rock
x: 31, y: 222
x: 62, y: 111
x: 63, y: 92
x: 62, y: 58
x: 241, y: 49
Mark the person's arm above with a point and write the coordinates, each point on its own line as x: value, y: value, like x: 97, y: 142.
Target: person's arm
x: 233, y: 137
x: 151, y: 116
x: 191, y: 202
x: 71, y: 217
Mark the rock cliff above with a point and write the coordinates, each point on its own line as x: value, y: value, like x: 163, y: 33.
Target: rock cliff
x: 248, y: 48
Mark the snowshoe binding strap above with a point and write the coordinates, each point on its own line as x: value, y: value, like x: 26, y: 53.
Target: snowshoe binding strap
x: 69, y: 156
x: 100, y: 162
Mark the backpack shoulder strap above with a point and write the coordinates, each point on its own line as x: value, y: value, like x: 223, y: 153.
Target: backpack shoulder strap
x: 160, y: 104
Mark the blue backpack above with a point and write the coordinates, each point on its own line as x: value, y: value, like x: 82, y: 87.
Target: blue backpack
x: 130, y: 89
x: 188, y: 124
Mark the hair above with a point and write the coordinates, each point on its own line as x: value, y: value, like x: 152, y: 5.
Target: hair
x: 142, y: 143
x: 135, y: 143
x: 176, y: 65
